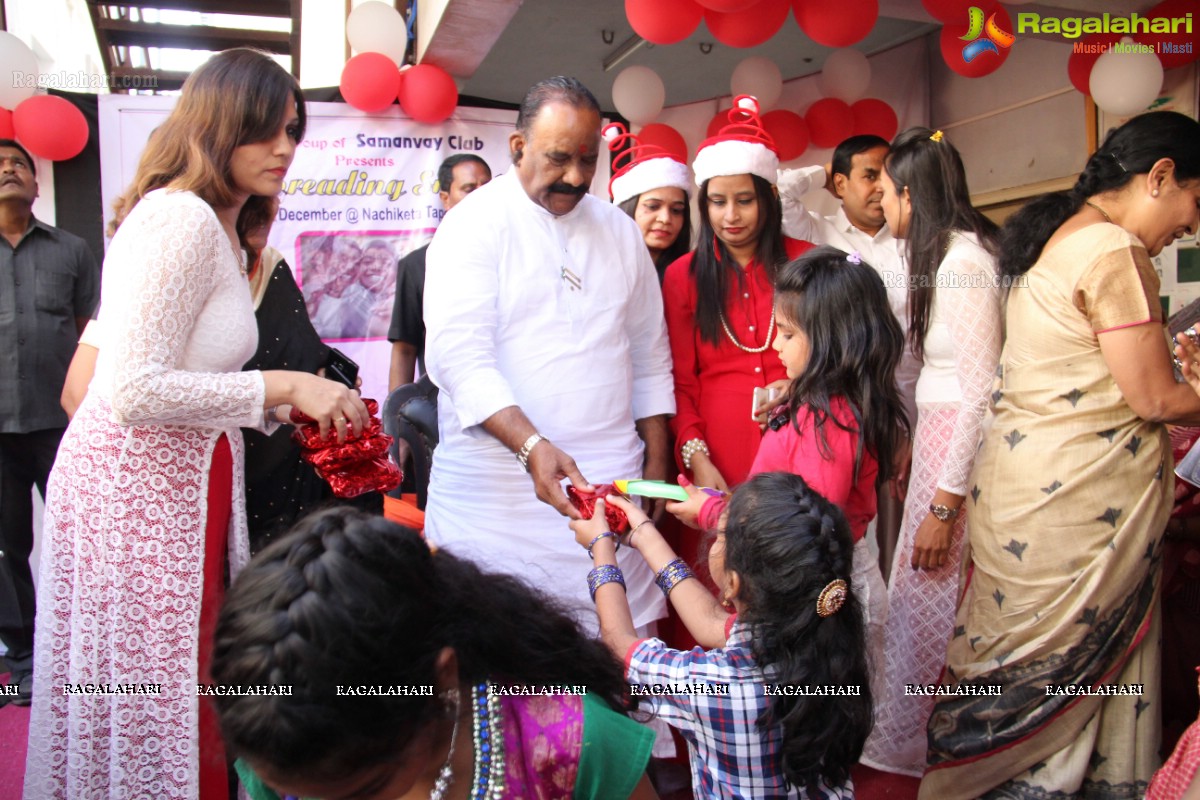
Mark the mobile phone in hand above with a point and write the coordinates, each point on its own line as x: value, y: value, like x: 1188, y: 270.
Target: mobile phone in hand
x: 340, y: 368
x: 762, y: 394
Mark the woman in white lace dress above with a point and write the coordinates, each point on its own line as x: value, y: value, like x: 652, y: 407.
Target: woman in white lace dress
x: 955, y: 326
x: 144, y: 510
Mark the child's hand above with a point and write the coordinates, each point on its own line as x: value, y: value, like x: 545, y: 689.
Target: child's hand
x: 688, y: 511
x: 641, y: 527
x: 587, y: 530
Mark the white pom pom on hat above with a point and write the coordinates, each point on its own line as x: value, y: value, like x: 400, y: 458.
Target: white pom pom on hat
x: 741, y: 147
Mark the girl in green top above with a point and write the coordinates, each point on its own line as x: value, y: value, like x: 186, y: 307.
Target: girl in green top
x: 352, y: 662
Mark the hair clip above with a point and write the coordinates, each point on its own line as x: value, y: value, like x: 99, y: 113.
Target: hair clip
x: 854, y: 258
x: 832, y: 597
x: 1117, y: 159
x: 936, y: 136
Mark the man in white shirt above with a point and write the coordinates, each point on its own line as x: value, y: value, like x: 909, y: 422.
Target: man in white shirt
x: 854, y: 177
x: 545, y: 335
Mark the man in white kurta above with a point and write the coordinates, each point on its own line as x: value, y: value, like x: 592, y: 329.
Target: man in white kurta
x: 545, y: 335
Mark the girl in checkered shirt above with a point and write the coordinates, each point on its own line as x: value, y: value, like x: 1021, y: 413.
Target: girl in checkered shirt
x: 782, y: 706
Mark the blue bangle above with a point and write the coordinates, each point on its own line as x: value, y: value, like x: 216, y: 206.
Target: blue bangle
x: 604, y: 535
x: 606, y: 573
x: 672, y: 574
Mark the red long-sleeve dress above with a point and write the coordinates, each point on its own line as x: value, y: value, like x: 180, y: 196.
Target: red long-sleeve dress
x: 714, y: 384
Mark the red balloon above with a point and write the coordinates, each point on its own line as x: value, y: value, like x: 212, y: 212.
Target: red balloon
x: 830, y: 122
x: 370, y: 81
x: 1176, y: 42
x: 50, y: 127
x: 1079, y: 64
x: 427, y: 93
x: 666, y: 137
x: 788, y: 130
x: 719, y: 120
x: 955, y: 50
x: 748, y: 28
x: 836, y: 23
x: 872, y: 115
x: 727, y: 6
x: 663, y: 21
x: 949, y: 12
x: 6, y: 124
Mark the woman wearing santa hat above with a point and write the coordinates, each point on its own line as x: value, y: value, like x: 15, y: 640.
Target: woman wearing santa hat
x: 719, y: 300
x: 652, y: 187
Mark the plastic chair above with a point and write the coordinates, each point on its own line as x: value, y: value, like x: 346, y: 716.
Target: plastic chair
x: 410, y: 415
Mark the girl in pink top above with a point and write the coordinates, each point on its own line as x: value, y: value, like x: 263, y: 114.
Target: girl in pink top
x: 837, y: 426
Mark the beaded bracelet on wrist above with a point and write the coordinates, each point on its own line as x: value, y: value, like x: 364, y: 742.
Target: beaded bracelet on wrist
x: 672, y: 574
x: 606, y: 573
x: 690, y: 448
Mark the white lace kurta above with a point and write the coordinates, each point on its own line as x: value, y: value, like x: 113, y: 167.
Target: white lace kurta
x: 962, y: 350
x: 123, y: 554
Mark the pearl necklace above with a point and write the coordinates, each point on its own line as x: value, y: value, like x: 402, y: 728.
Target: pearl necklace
x: 739, y: 345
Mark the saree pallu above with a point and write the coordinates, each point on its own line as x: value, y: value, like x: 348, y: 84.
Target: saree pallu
x: 1070, y: 498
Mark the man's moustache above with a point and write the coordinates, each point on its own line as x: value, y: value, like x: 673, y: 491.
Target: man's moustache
x: 566, y: 188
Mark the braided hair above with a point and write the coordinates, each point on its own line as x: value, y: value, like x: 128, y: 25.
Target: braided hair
x: 1129, y: 150
x: 352, y: 599
x: 786, y: 543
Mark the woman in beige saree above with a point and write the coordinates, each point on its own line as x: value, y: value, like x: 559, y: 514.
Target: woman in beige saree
x: 1071, y: 491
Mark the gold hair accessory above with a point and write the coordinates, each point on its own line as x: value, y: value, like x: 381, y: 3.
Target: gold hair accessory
x: 832, y: 597
x: 936, y: 136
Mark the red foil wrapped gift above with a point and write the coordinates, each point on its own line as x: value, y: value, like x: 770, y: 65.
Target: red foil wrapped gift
x: 356, y: 466
x: 586, y: 503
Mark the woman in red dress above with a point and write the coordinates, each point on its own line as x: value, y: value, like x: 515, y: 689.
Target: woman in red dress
x: 718, y: 301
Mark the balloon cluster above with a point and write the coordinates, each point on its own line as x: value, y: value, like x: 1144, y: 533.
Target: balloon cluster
x: 48, y: 126
x: 1126, y: 80
x: 376, y: 76
x: 749, y: 23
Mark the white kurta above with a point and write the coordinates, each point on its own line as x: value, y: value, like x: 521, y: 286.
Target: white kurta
x: 505, y: 328
x: 882, y: 251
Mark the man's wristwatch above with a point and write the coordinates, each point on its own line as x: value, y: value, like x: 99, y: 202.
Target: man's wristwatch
x: 943, y: 513
x: 527, y: 448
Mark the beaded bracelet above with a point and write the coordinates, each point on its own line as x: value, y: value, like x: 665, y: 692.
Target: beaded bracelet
x: 690, y: 448
x: 604, y: 535
x: 606, y: 573
x: 670, y: 576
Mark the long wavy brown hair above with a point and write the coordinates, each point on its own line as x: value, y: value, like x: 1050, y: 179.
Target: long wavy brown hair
x: 237, y: 97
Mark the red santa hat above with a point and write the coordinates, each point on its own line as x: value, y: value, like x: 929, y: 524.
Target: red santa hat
x: 742, y: 147
x: 643, y: 166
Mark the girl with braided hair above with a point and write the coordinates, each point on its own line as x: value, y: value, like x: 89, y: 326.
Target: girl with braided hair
x: 1072, y: 489
x: 783, y: 708
x: 412, y: 674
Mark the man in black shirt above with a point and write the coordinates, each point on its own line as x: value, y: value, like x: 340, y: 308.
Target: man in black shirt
x: 49, y: 286
x: 458, y: 176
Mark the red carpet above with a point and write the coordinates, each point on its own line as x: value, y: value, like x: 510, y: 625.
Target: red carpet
x: 14, y: 734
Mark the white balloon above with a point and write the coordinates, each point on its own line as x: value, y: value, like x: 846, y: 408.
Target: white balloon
x: 376, y: 27
x: 760, y: 78
x: 845, y: 76
x: 638, y: 93
x: 18, y: 71
x: 1123, y: 83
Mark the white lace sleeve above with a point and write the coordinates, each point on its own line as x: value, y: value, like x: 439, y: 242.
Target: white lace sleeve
x: 174, y: 265
x: 975, y: 326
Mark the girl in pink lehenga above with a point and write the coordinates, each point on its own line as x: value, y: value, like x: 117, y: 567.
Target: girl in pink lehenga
x: 954, y: 325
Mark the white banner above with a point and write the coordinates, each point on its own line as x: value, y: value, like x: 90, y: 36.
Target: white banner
x: 360, y: 194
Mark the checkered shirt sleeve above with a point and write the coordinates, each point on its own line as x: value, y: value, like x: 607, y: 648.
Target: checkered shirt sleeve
x: 731, y: 756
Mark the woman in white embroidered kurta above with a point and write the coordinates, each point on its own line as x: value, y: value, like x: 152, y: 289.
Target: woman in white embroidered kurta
x: 954, y: 317
x: 123, y: 561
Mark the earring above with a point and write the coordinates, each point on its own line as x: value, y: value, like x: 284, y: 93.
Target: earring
x: 450, y: 700
x: 1154, y: 193
x: 727, y: 604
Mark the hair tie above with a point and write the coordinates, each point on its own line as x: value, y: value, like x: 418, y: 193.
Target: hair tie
x: 832, y: 597
x: 936, y: 136
x: 854, y: 258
